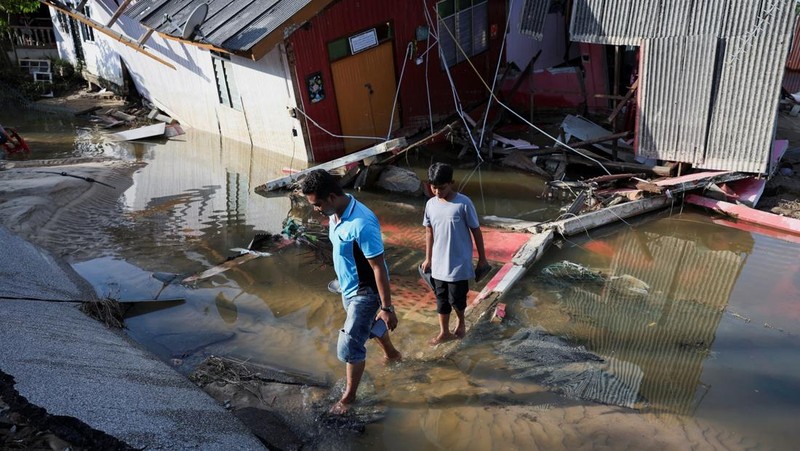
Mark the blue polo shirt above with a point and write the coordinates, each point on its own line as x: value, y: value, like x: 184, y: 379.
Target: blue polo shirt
x: 355, y: 238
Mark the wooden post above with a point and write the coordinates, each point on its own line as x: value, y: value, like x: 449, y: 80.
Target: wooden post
x: 146, y: 36
x: 118, y: 13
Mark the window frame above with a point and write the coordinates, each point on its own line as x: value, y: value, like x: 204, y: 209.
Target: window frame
x: 459, y: 16
x: 227, y: 89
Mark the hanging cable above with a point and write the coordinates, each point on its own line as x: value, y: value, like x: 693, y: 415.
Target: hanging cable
x: 492, y: 94
x: 496, y: 71
x: 397, y: 91
x: 456, y: 100
x: 374, y: 138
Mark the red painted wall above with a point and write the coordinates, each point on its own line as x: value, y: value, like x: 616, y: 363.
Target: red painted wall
x: 347, y: 17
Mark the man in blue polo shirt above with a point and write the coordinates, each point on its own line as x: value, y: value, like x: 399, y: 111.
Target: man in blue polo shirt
x: 362, y: 272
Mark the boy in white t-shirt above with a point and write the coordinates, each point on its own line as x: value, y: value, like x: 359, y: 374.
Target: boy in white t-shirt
x: 450, y: 218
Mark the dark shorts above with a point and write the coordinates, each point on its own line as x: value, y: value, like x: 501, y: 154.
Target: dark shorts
x: 449, y: 295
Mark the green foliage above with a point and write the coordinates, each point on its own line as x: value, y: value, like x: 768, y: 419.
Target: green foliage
x: 19, y: 6
x: 9, y: 7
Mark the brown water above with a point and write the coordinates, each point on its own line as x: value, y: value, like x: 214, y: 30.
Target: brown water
x: 700, y: 322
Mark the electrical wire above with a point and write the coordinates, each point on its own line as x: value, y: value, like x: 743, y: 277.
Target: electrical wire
x: 397, y: 91
x: 454, y: 92
x: 496, y: 71
x: 374, y: 138
x: 509, y: 109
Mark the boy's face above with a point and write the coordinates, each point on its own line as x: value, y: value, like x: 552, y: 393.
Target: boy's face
x: 442, y: 190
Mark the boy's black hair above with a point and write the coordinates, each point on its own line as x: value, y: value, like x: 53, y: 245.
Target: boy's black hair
x: 440, y: 173
x: 321, y: 184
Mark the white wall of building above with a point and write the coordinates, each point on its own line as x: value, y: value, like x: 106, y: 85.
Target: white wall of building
x: 189, y: 94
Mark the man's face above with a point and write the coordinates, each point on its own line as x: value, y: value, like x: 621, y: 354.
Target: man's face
x: 442, y: 190
x: 323, y: 205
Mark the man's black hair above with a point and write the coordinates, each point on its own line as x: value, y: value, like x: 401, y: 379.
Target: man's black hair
x: 321, y: 184
x: 440, y: 173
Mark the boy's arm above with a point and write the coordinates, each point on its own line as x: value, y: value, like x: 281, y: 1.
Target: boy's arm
x: 478, y: 237
x: 426, y: 265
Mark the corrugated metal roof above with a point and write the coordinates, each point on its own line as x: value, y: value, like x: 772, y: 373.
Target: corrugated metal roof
x: 534, y: 13
x: 235, y: 25
x: 740, y: 108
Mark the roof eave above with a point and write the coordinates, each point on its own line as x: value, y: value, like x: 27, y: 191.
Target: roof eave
x: 270, y: 40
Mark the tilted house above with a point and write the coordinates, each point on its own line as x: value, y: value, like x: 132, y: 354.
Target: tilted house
x: 310, y: 78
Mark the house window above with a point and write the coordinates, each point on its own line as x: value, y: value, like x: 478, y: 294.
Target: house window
x: 464, y: 24
x: 365, y: 39
x: 63, y: 21
x: 87, y: 33
x: 226, y: 84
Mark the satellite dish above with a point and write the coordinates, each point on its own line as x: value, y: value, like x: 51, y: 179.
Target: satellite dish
x: 194, y: 20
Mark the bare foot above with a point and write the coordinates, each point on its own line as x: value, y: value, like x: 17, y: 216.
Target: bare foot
x: 441, y: 338
x: 460, y: 332
x: 340, y: 408
x: 392, y: 358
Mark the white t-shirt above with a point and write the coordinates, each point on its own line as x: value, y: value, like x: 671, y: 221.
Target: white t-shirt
x: 451, y: 256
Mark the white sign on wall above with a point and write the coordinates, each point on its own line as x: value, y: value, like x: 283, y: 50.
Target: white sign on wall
x: 363, y: 41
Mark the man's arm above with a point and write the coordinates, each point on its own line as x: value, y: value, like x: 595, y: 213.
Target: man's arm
x: 378, y: 266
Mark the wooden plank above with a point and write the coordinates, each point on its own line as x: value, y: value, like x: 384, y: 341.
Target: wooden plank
x: 106, y: 31
x: 694, y: 181
x: 588, y: 221
x: 221, y: 268
x: 747, y: 214
x: 510, y: 273
x: 508, y: 223
x: 118, y: 12
x: 378, y: 149
x: 624, y: 100
x: 148, y: 131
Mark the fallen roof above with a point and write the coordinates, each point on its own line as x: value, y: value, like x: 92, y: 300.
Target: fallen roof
x: 236, y: 26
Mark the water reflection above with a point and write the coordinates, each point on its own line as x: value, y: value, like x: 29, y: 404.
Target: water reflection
x: 669, y: 289
x: 680, y: 320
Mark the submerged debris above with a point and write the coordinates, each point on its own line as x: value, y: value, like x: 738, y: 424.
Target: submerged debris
x: 571, y: 370
x: 108, y: 311
x: 569, y: 272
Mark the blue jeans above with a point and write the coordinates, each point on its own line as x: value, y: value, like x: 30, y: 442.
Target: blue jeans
x: 361, y: 311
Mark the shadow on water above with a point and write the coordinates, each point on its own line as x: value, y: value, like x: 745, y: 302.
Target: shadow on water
x: 698, y: 321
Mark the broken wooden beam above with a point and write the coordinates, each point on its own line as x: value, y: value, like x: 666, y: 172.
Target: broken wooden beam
x: 378, y: 149
x: 624, y: 100
x: 118, y: 12
x: 78, y: 15
x: 747, y: 214
x: 508, y: 223
x: 588, y: 221
x: 614, y: 166
x: 512, y: 271
x: 601, y: 139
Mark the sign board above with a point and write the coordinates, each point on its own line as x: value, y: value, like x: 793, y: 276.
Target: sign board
x: 363, y: 41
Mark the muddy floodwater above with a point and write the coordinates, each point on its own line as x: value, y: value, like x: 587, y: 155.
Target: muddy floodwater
x: 673, y: 331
